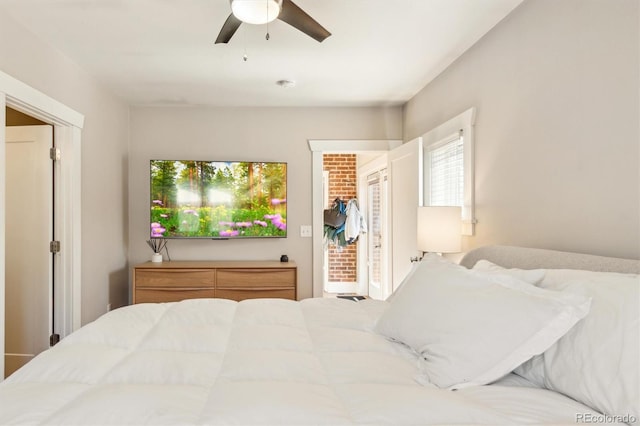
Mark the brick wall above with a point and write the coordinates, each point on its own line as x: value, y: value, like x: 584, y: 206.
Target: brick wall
x: 343, y: 265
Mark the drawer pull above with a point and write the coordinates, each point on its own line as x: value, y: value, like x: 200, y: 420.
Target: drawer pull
x: 256, y: 289
x: 172, y: 271
x: 178, y: 288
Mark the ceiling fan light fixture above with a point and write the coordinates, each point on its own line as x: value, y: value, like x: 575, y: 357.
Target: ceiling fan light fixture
x: 256, y: 12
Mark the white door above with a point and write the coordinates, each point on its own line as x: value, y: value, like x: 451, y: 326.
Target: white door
x: 405, y: 170
x: 377, y: 201
x: 29, y: 229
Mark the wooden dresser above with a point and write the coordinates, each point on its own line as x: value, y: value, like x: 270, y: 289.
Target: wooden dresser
x: 236, y: 280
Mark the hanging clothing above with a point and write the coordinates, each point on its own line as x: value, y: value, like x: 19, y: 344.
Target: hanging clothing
x: 335, y: 235
x: 355, y: 223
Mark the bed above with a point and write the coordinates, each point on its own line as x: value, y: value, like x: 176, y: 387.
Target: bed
x: 407, y: 361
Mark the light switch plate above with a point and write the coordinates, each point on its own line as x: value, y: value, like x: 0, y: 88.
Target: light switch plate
x: 305, y: 231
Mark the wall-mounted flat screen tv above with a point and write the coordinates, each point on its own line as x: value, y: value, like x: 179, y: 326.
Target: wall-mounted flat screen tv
x: 218, y: 199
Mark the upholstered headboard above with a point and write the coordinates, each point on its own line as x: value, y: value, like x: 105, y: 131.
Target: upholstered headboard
x: 532, y: 258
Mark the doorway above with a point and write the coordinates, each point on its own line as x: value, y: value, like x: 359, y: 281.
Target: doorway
x: 319, y: 148
x: 342, y: 255
x: 358, y: 264
x: 67, y: 131
x: 29, y: 285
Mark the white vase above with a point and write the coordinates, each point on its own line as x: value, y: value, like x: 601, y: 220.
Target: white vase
x: 156, y: 258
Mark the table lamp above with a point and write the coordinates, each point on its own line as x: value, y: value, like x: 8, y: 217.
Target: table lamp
x: 439, y: 229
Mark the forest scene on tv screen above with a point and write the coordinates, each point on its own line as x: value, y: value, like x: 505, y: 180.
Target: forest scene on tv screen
x: 207, y: 199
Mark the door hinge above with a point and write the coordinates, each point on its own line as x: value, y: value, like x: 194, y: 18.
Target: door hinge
x: 54, y: 339
x: 54, y: 154
x: 54, y: 246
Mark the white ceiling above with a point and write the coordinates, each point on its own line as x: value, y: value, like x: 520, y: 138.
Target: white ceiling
x: 161, y: 52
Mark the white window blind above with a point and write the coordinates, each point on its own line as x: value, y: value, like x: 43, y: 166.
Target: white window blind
x: 446, y: 171
x: 448, y: 167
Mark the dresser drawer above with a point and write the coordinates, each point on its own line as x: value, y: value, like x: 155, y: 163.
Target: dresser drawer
x: 255, y: 278
x: 165, y: 277
x: 161, y: 295
x: 253, y: 293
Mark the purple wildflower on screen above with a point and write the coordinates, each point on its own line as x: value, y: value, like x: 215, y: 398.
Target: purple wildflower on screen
x: 278, y: 223
x: 158, y: 202
x: 157, y: 231
x: 229, y: 233
x: 260, y: 222
x: 155, y: 225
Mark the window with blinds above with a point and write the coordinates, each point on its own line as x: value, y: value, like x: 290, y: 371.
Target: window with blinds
x: 448, y: 169
x: 446, y: 173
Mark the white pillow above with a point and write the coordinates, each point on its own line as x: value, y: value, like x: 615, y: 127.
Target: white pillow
x: 597, y: 361
x: 471, y: 328
x: 531, y: 276
x: 414, y: 266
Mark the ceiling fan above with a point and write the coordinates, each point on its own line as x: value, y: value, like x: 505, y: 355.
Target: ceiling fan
x: 263, y: 11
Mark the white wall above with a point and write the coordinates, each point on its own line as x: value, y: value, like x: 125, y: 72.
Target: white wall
x: 252, y: 134
x: 556, y: 87
x: 104, y: 160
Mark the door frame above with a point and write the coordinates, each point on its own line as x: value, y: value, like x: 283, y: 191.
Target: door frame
x: 318, y: 148
x: 67, y: 132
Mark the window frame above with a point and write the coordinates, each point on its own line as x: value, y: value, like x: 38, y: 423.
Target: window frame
x: 462, y: 126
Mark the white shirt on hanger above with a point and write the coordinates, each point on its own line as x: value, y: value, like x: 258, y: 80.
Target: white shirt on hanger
x: 355, y: 223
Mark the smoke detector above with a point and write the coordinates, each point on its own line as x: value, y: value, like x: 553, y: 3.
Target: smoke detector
x: 286, y: 83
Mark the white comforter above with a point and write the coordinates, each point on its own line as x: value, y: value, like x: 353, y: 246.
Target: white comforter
x: 273, y: 362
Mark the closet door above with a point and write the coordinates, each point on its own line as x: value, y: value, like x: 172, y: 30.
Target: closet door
x: 29, y: 229
x: 405, y: 170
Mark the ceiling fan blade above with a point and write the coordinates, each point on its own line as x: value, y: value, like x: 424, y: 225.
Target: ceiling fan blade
x: 229, y: 28
x: 298, y: 18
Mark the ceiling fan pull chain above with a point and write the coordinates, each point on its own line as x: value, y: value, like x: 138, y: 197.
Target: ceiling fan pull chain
x: 267, y: 36
x: 244, y: 42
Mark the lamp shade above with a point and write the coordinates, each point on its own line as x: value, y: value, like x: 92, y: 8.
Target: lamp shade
x: 439, y: 229
x: 256, y: 11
